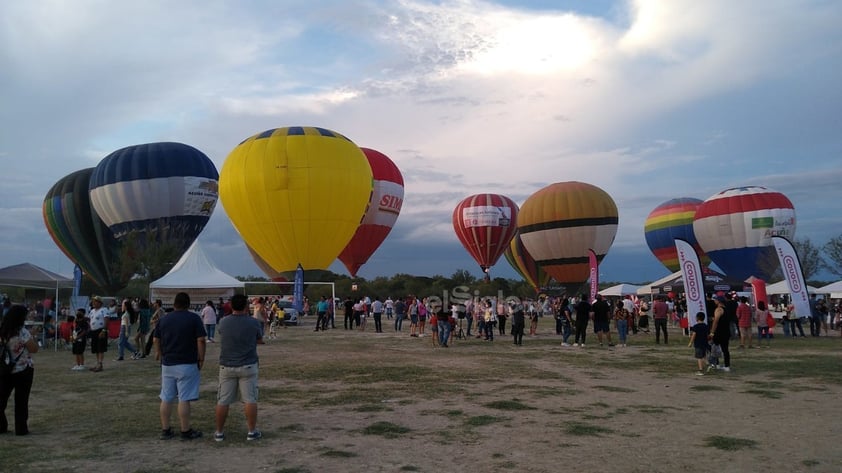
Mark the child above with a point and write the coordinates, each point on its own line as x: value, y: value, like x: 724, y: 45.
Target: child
x: 699, y: 341
x: 275, y: 319
x: 79, y: 338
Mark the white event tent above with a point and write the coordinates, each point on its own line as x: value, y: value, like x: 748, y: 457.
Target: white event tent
x: 834, y: 290
x: 196, y: 275
x: 782, y: 287
x: 620, y: 290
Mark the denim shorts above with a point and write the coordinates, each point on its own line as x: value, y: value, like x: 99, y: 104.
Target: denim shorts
x: 237, y: 379
x: 181, y: 382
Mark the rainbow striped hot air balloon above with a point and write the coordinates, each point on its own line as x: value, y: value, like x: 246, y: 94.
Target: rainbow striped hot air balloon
x: 79, y: 232
x: 735, y: 228
x: 561, y: 222
x: 670, y: 220
x: 525, y: 265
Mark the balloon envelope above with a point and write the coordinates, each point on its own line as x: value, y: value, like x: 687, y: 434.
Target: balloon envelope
x: 522, y: 262
x: 485, y: 224
x: 165, y: 192
x: 561, y: 222
x: 265, y: 267
x: 79, y: 232
x: 735, y: 228
x: 381, y: 215
x: 668, y: 221
x: 296, y: 195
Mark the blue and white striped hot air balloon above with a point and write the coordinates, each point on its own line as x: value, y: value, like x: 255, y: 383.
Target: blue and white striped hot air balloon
x: 163, y: 192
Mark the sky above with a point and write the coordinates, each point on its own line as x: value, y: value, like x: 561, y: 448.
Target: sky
x: 648, y: 100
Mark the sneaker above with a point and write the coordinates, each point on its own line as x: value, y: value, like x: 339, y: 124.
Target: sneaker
x: 582, y: 345
x: 118, y: 359
x: 565, y: 344
x: 700, y: 373
x: 219, y: 436
x: 167, y: 434
x: 81, y: 368
x: 191, y: 435
x: 610, y: 344
x: 725, y: 369
x: 256, y: 435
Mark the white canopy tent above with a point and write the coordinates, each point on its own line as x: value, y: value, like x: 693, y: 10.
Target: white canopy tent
x: 622, y: 289
x: 646, y: 289
x: 28, y: 275
x: 833, y: 289
x: 196, y: 275
x: 781, y: 287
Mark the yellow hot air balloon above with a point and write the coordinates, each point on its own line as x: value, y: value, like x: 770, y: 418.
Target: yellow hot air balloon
x: 296, y: 195
x: 561, y: 222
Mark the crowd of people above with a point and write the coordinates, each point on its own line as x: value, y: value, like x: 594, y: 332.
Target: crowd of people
x: 177, y: 336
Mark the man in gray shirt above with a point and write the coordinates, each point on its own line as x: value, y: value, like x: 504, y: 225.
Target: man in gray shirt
x: 238, y: 366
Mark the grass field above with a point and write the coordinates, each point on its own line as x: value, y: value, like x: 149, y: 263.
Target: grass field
x: 359, y: 401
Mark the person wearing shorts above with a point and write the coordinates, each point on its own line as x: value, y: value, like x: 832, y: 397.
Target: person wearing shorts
x: 180, y: 347
x: 238, y: 367
x: 601, y: 323
x: 80, y: 339
x: 98, y: 332
x: 699, y: 341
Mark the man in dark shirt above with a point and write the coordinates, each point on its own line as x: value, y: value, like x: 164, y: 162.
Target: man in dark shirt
x: 400, y: 313
x: 731, y: 305
x: 180, y: 346
x: 601, y: 325
x: 349, y: 313
x: 583, y: 315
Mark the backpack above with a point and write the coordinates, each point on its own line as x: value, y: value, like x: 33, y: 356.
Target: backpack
x: 7, y: 362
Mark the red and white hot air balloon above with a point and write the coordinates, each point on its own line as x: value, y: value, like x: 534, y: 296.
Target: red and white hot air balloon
x: 485, y: 225
x: 735, y: 228
x: 381, y: 215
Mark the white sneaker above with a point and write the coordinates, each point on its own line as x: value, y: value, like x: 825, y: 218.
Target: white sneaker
x: 725, y: 369
x: 565, y: 344
x: 582, y: 345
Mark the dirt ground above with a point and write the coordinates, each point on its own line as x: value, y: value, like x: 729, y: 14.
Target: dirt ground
x: 348, y: 401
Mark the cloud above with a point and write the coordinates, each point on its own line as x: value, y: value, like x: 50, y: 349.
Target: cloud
x: 650, y: 100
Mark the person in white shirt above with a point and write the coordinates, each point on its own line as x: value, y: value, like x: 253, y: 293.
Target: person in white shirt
x: 389, y: 305
x: 99, y: 334
x: 377, y: 313
x: 209, y: 319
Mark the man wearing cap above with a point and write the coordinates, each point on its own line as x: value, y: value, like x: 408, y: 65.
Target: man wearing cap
x: 720, y: 331
x: 98, y: 333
